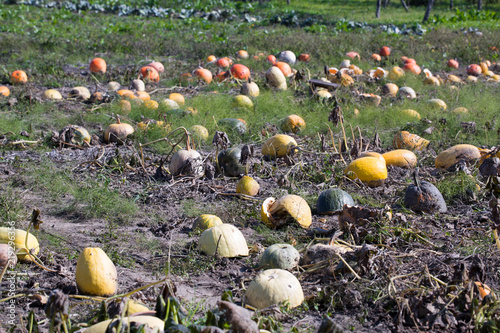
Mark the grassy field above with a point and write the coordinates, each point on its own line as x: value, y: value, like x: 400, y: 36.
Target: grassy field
x: 106, y: 196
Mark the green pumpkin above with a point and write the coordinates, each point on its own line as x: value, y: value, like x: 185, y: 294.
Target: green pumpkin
x: 283, y: 256
x: 333, y: 200
x: 233, y: 125
x: 229, y: 162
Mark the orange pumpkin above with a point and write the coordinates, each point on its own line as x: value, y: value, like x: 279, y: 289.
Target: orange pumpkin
x: 242, y: 54
x: 411, y: 67
x: 303, y: 57
x: 284, y: 68
x: 126, y: 93
x: 203, y: 74
x: 240, y: 72
x: 474, y: 69
x: 376, y: 57
x: 385, y: 51
x: 211, y: 58
x: 271, y: 59
x: 18, y: 77
x: 149, y: 73
x: 143, y: 95
x: 407, y: 140
x: 222, y: 76
x: 223, y: 62
x: 4, y: 91
x: 97, y: 65
x: 452, y: 63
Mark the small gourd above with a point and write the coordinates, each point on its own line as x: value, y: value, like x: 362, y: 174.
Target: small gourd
x: 293, y: 123
x: 452, y: 155
x: 407, y: 140
x: 187, y: 162
x: 233, y: 125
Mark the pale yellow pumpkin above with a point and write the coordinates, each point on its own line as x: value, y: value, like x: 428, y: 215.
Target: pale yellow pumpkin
x: 225, y: 239
x: 274, y: 286
x: 18, y: 237
x: 452, y: 155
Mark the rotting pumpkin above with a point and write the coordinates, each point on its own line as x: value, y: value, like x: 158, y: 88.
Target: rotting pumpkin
x: 289, y: 208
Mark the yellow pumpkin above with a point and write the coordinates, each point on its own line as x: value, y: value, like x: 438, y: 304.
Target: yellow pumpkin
x: 390, y: 89
x: 178, y: 98
x: 460, y: 110
x: 411, y: 113
x: 396, y: 73
x: 155, y: 324
x: 370, y: 170
x: 200, y: 131
x: 247, y: 185
x: 278, y: 145
x: 243, y: 102
x: 373, y: 154
x: 150, y: 104
x: 401, y: 158
x: 276, y: 213
x: 407, y: 140
x: 18, y: 237
x: 452, y: 155
x: 437, y: 103
x: 96, y: 273
x: 206, y: 221
x: 293, y: 123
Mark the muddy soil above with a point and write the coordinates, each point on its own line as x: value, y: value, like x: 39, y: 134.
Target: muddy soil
x: 407, y: 272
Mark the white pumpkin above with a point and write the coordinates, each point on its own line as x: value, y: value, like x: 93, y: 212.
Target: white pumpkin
x: 274, y: 286
x: 225, y: 239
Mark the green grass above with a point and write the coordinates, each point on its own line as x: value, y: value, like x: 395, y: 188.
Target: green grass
x: 84, y: 198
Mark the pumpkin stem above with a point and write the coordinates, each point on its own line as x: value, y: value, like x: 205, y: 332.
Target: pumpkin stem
x: 118, y: 119
x: 415, y: 178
